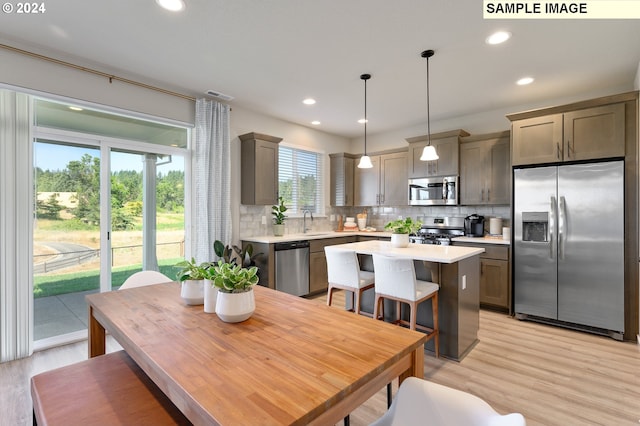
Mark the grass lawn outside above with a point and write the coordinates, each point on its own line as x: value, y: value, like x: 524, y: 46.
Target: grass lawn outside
x: 44, y: 286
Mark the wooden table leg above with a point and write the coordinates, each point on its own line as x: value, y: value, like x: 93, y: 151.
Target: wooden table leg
x: 417, y: 366
x: 97, y: 339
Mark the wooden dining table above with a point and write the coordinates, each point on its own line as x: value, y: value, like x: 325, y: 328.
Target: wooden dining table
x: 294, y: 362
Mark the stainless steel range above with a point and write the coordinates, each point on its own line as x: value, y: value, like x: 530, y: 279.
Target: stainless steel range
x: 438, y: 230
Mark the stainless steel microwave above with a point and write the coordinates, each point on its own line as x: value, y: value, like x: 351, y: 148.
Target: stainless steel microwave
x: 441, y: 190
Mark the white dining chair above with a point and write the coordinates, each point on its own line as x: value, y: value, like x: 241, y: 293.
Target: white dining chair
x: 343, y: 272
x: 143, y: 278
x: 423, y: 403
x: 395, y: 279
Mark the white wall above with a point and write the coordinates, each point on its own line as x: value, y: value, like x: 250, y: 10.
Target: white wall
x: 245, y: 121
x: 35, y: 74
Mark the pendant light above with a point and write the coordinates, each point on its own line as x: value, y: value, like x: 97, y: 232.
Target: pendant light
x: 365, y: 161
x: 429, y: 152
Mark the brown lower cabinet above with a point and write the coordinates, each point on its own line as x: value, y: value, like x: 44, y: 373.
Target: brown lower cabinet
x: 495, y: 279
x: 318, y: 281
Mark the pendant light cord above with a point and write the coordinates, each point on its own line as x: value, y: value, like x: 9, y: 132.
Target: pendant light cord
x: 428, y: 112
x: 427, y: 54
x: 365, y: 117
x: 365, y: 77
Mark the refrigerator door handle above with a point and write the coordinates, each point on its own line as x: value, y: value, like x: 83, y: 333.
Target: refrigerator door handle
x: 562, y: 223
x: 552, y: 226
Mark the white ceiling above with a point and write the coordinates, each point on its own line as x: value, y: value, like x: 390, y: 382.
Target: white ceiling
x: 269, y: 55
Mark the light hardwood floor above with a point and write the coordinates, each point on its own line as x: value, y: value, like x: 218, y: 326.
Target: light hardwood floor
x: 551, y: 375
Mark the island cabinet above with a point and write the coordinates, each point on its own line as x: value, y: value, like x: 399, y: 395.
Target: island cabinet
x: 446, y: 145
x: 318, y: 281
x: 495, y: 279
x: 583, y: 134
x: 259, y: 167
x: 485, y: 169
x: 341, y: 179
x: 385, y: 184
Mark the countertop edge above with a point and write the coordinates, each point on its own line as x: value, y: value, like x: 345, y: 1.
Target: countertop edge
x: 317, y: 235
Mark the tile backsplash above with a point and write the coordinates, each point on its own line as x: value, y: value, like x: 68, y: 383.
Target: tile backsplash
x: 251, y: 217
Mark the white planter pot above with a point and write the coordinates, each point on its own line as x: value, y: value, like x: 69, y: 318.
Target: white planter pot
x: 278, y: 230
x: 400, y: 240
x: 210, y: 297
x: 192, y: 292
x: 235, y: 307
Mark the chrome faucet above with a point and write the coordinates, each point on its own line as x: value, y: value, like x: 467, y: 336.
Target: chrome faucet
x: 304, y: 221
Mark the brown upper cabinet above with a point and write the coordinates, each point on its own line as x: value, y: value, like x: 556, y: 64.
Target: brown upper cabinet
x: 385, y: 184
x: 259, y: 166
x: 341, y: 179
x: 584, y: 134
x: 485, y: 169
x: 446, y: 145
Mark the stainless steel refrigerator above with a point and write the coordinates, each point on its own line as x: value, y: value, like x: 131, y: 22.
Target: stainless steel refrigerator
x: 568, y: 252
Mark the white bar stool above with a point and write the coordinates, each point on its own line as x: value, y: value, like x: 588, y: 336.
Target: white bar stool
x: 395, y: 279
x: 343, y: 272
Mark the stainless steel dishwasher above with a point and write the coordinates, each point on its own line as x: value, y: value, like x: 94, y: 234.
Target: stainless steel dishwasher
x: 292, y: 267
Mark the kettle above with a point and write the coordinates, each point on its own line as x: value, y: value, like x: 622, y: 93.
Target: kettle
x: 474, y: 226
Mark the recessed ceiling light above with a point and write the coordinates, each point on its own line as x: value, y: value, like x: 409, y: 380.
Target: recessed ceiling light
x: 362, y: 121
x: 75, y: 108
x: 172, y: 5
x: 524, y: 81
x: 309, y: 101
x: 315, y: 122
x: 498, y: 37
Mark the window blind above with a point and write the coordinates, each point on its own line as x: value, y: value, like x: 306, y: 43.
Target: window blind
x: 301, y: 180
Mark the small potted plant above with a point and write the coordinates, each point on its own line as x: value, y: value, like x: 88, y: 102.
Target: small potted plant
x: 235, y: 301
x: 278, y: 217
x: 192, y: 277
x: 226, y: 254
x: 401, y: 228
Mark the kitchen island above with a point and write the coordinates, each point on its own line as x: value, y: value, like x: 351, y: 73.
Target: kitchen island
x: 456, y: 269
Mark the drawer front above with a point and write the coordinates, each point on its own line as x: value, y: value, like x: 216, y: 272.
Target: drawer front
x: 319, y: 245
x: 491, y: 251
x: 495, y: 252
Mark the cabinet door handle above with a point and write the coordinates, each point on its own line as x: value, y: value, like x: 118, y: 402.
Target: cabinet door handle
x: 568, y: 149
x: 482, y: 194
x: 488, y: 194
x: 558, y: 150
x: 377, y: 198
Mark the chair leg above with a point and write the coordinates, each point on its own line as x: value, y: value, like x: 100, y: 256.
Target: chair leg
x: 389, y: 395
x: 346, y: 421
x: 353, y: 300
x: 413, y: 314
x: 357, y: 301
x: 376, y: 304
x: 436, y: 327
x: 329, y: 295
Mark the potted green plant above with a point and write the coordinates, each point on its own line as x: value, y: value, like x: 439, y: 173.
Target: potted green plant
x: 192, y: 276
x: 226, y: 254
x: 277, y: 212
x: 400, y: 229
x: 235, y: 299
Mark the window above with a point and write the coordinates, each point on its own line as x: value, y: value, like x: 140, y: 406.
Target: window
x: 300, y: 179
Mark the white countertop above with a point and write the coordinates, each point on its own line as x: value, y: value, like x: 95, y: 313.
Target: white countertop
x: 426, y: 252
x: 483, y: 240
x: 313, y: 235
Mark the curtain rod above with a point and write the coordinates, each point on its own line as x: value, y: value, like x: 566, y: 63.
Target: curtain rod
x: 111, y: 77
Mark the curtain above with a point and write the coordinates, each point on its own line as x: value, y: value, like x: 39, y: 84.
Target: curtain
x: 211, y: 179
x: 16, y: 235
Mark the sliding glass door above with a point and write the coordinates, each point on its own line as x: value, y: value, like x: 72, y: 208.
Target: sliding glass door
x: 66, y: 234
x: 83, y: 245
